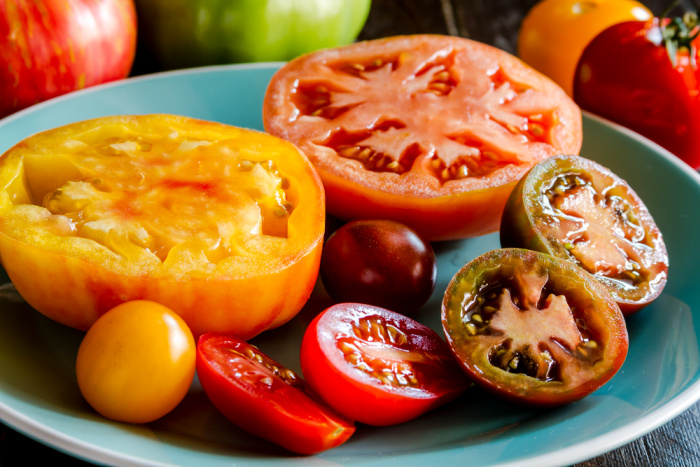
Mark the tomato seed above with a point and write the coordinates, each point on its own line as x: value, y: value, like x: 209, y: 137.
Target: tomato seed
x: 536, y: 129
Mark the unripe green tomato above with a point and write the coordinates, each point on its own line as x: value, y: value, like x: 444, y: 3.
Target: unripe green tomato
x: 187, y: 33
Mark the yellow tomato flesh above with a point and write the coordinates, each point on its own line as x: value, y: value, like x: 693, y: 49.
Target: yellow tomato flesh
x: 221, y: 224
x: 555, y: 32
x: 136, y: 363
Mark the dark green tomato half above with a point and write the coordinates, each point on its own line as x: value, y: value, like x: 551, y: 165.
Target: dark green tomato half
x: 578, y: 210
x: 186, y: 33
x: 533, y: 328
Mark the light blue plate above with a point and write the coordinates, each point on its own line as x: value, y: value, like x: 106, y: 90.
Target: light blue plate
x: 659, y: 380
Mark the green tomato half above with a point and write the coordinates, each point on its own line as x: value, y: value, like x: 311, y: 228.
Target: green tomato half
x: 187, y: 33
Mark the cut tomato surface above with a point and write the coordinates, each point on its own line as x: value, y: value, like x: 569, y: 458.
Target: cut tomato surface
x: 430, y: 131
x: 533, y: 328
x: 264, y: 398
x: 573, y: 208
x: 376, y: 366
x: 220, y: 224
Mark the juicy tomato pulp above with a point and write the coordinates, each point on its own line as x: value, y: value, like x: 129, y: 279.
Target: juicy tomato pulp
x: 626, y: 75
x: 573, y: 208
x: 429, y: 131
x: 376, y: 366
x: 222, y: 225
x: 264, y: 398
x: 533, y: 328
x: 379, y: 262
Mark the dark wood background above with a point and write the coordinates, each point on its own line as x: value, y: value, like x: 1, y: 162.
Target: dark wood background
x: 495, y: 22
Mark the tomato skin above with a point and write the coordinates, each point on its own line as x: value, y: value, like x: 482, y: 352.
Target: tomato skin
x: 430, y: 131
x: 74, y: 279
x: 186, y: 33
x: 626, y: 75
x: 408, y: 348
x: 53, y: 47
x: 136, y: 363
x: 268, y: 401
x: 529, y: 222
x: 485, y: 345
x: 554, y: 33
x: 378, y: 262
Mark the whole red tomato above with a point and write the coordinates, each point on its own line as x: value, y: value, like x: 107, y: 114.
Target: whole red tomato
x: 644, y: 75
x: 52, y: 47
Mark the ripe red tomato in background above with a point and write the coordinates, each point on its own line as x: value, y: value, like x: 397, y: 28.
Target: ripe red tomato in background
x: 378, y: 367
x: 264, y: 398
x: 52, y: 47
x: 379, y: 262
x: 626, y: 74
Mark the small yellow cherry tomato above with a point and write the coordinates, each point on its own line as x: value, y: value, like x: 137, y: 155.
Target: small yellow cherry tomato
x: 555, y: 32
x: 136, y: 363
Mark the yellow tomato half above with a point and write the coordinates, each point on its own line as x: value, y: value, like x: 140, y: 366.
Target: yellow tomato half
x: 555, y: 32
x: 222, y: 225
x: 136, y: 363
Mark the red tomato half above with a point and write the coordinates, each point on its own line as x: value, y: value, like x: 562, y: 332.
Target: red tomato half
x: 626, y: 75
x: 429, y: 131
x: 264, y: 398
x: 376, y: 366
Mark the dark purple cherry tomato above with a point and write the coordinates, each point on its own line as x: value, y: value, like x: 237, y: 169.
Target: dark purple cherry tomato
x: 533, y: 328
x: 573, y: 208
x: 379, y: 262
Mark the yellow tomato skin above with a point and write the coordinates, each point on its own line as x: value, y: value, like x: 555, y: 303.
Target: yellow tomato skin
x: 137, y: 362
x: 258, y: 284
x: 554, y: 33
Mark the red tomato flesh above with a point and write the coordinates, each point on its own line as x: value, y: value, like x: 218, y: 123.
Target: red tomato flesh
x: 430, y: 131
x: 376, y: 366
x: 264, y: 398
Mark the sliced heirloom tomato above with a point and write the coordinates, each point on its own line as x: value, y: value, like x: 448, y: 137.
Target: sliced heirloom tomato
x: 533, y: 328
x: 376, y: 366
x: 220, y: 224
x: 264, y: 398
x: 578, y: 210
x: 429, y: 131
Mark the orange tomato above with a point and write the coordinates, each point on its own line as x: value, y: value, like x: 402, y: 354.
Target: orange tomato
x: 222, y: 225
x: 136, y: 363
x: 555, y: 32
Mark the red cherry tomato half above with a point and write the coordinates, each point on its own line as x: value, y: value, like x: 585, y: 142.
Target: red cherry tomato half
x: 573, y: 208
x: 264, y: 398
x: 625, y: 74
x: 533, y: 328
x: 379, y: 262
x: 430, y: 131
x: 376, y: 366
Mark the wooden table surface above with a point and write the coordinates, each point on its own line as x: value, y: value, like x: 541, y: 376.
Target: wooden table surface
x: 495, y: 22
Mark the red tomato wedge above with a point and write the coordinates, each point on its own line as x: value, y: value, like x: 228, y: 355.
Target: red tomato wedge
x: 264, y: 398
x: 376, y: 366
x: 430, y: 131
x: 533, y: 328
